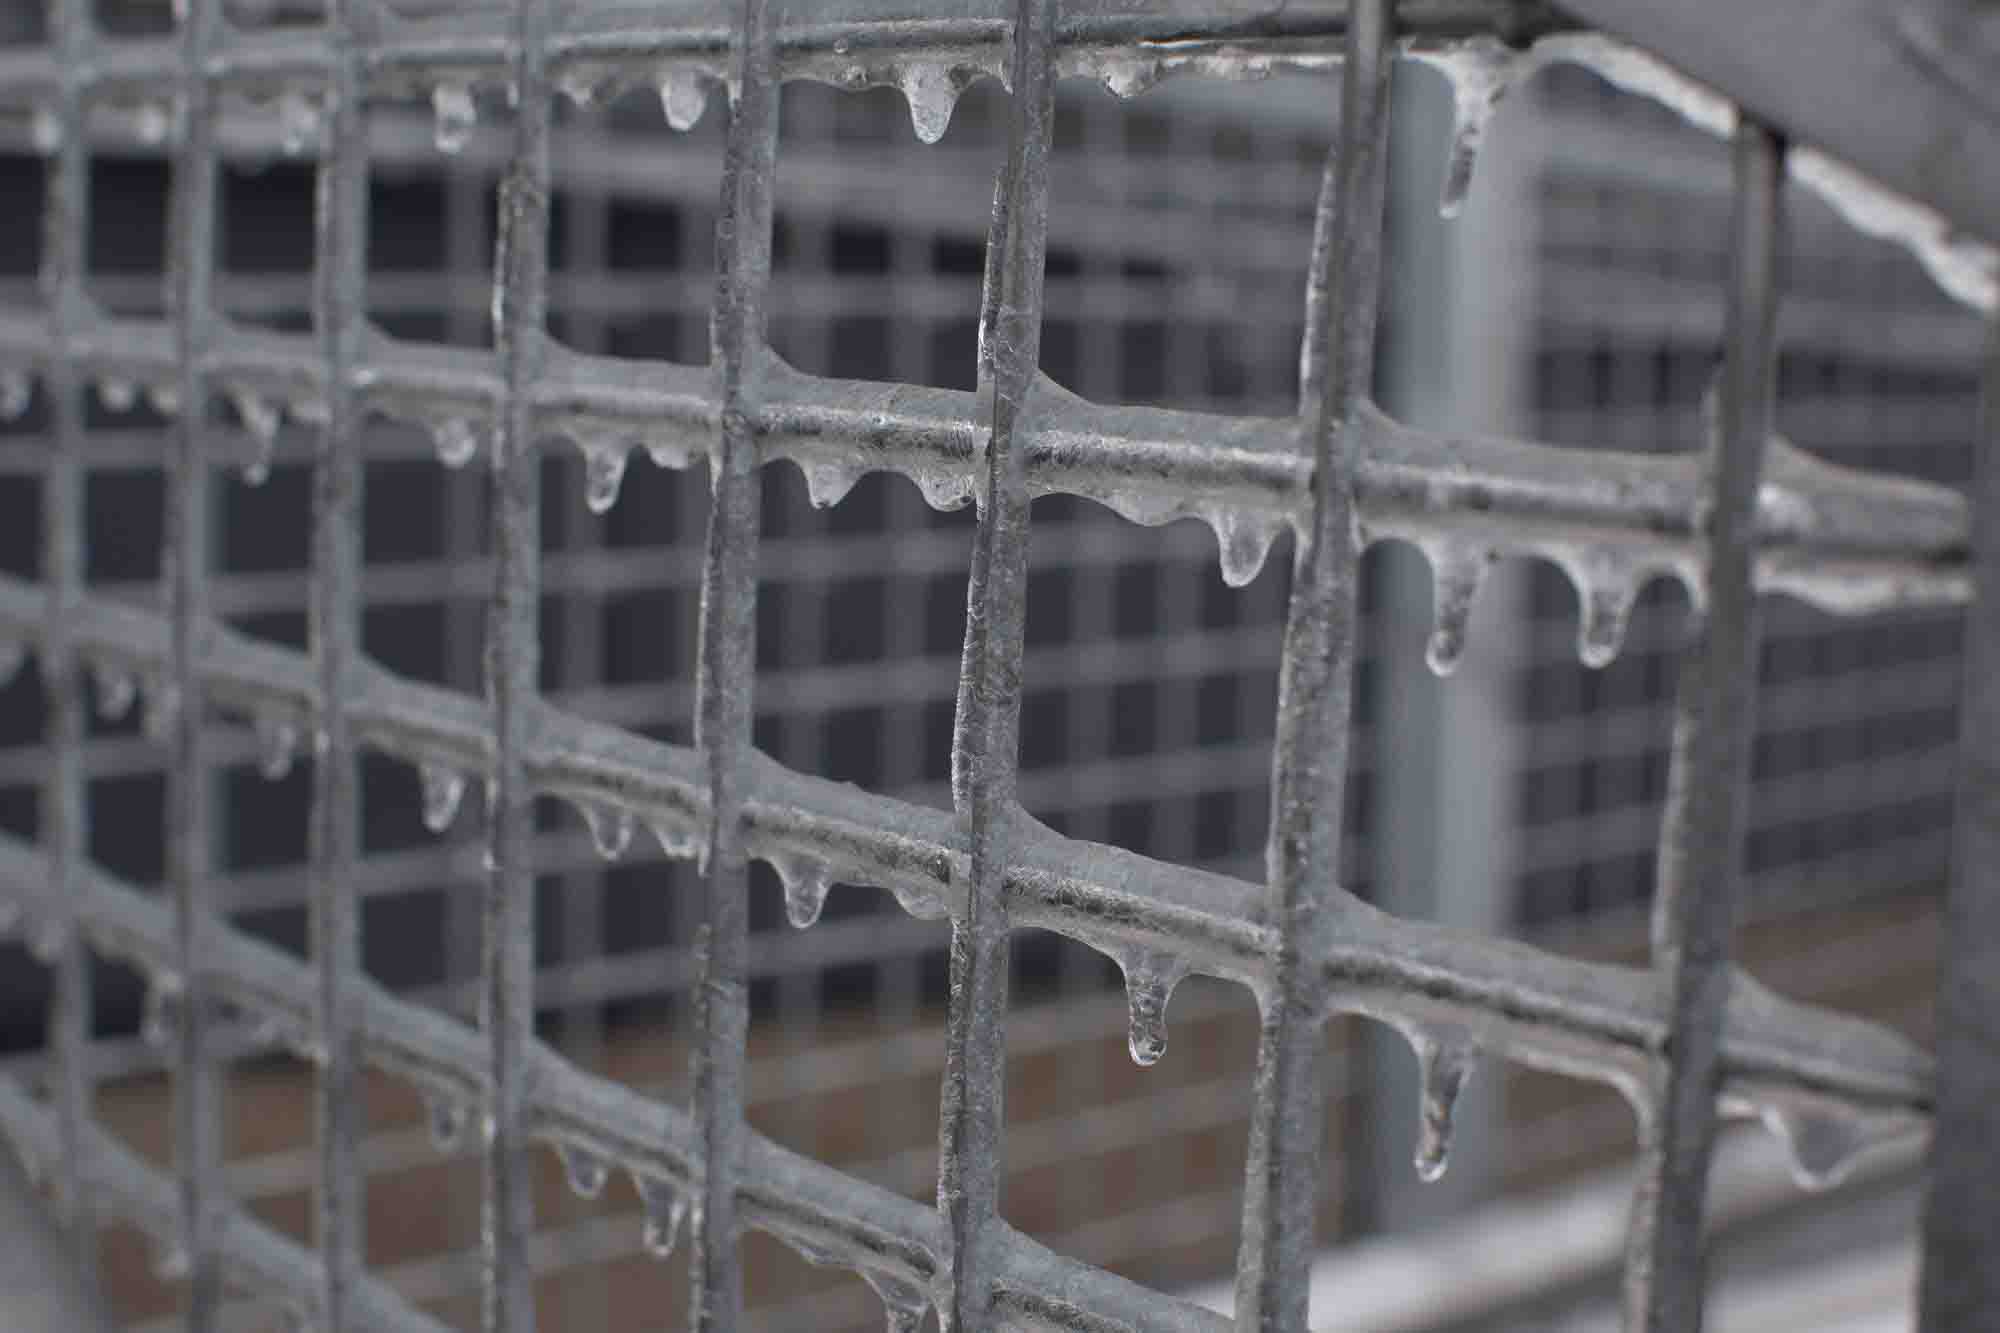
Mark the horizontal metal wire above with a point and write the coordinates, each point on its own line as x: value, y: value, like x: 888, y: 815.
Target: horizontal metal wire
x: 253, y: 1256
x: 1846, y: 540
x: 1592, y: 1020
x: 883, y: 1235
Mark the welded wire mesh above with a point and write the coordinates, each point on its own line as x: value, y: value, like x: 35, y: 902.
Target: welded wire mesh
x: 496, y: 391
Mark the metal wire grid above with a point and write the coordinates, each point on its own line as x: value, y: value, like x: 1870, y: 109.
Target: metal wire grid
x: 1307, y: 951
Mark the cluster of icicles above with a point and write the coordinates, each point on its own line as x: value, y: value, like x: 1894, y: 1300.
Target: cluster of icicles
x: 1823, y: 1139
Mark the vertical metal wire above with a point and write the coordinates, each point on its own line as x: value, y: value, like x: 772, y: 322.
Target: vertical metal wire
x: 1701, y: 841
x: 1315, y: 698
x: 726, y: 661
x: 513, y: 651
x: 339, y: 290
x: 198, y: 1088
x: 986, y: 741
x: 1960, y: 1286
x: 65, y: 808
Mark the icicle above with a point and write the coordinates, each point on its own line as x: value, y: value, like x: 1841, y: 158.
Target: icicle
x: 161, y: 1018
x: 17, y: 391
x: 117, y: 395
x: 163, y: 705
x: 578, y: 86
x: 806, y: 882
x: 1456, y: 572
x: 277, y: 741
x: 261, y: 419
x: 309, y: 410
x: 677, y: 841
x: 1150, y: 979
x: 1443, y: 1065
x: 827, y: 484
x: 444, y: 788
x: 171, y: 1261
x: 298, y: 121
x: 13, y: 656
x: 1243, y: 540
x: 46, y: 132
x: 670, y: 454
x: 945, y: 490
x: 923, y: 904
x: 1129, y: 78
x: 904, y: 1305
x: 932, y: 93
x: 604, y: 470
x: 165, y: 397
x: 1481, y: 72
x: 1824, y: 1142
x: 1607, y: 588
x: 455, y: 115
x: 116, y: 691
x: 683, y: 97
x: 585, y: 1170
x: 47, y: 937
x: 151, y: 121
x: 445, y: 1115
x: 665, y: 1207
x: 610, y: 828
x: 456, y: 439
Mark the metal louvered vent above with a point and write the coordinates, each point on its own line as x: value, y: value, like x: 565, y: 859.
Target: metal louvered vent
x: 1685, y: 1039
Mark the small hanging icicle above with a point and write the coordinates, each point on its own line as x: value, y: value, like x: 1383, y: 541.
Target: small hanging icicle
x: 1481, y: 72
x: 578, y: 86
x: 457, y: 440
x: 165, y: 397
x: 47, y: 937
x: 171, y: 1262
x: 151, y: 122
x: 585, y: 1170
x: 261, y: 418
x: 1607, y: 588
x: 46, y: 132
x: 610, y: 828
x: 298, y: 121
x: 904, y: 1305
x: 1443, y: 1064
x: 945, y: 490
x: 163, y: 706
x: 116, y: 691
x: 806, y: 882
x: 17, y: 391
x: 931, y: 93
x: 678, y: 842
x: 13, y: 656
x: 161, y: 1017
x: 923, y: 904
x: 454, y: 115
x: 117, y: 395
x: 445, y: 1115
x: 444, y: 788
x: 1130, y: 77
x: 1243, y: 539
x: 1457, y: 572
x: 1822, y: 1143
x: 277, y: 743
x: 827, y: 484
x: 604, y: 471
x: 683, y: 97
x: 665, y: 1208
x: 1150, y: 979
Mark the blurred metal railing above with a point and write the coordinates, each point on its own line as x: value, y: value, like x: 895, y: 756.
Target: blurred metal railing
x: 1679, y: 1039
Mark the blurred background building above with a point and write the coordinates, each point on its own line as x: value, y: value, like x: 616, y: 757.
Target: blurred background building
x: 1575, y: 299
